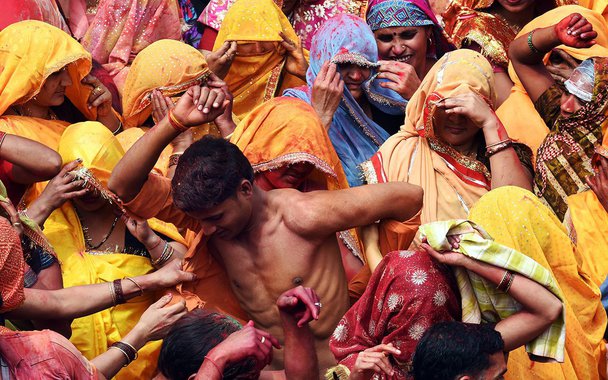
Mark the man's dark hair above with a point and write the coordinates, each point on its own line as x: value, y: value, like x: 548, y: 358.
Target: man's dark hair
x: 451, y: 349
x: 208, y: 173
x: 191, y: 338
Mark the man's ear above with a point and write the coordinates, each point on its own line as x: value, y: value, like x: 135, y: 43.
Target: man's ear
x: 191, y: 377
x: 246, y: 188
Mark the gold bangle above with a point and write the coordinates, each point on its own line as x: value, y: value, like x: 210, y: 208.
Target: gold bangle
x: 141, y: 290
x: 124, y: 353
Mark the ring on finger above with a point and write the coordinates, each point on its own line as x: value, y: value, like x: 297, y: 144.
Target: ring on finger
x: 319, y: 304
x: 263, y: 339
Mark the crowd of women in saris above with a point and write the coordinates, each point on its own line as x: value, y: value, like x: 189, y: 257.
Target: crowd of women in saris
x: 496, y: 108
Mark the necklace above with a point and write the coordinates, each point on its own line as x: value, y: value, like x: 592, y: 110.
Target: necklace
x: 514, y: 28
x: 85, y: 232
x: 23, y: 110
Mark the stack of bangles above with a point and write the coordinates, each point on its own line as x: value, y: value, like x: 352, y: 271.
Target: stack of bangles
x: 164, y: 256
x: 176, y: 123
x: 128, y: 350
x: 506, y: 282
x: 492, y: 149
x: 2, y: 137
x: 118, y: 296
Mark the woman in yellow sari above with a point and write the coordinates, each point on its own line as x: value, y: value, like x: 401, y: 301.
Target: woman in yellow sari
x: 268, y: 58
x: 517, y: 113
x: 176, y: 67
x: 446, y: 153
x: 516, y: 218
x: 41, y: 66
x: 95, y: 244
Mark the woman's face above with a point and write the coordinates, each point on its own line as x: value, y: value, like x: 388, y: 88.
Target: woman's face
x: 353, y: 77
x: 404, y: 44
x: 253, y: 48
x: 569, y: 104
x: 456, y: 130
x: 286, y: 177
x: 516, y: 6
x: 52, y: 93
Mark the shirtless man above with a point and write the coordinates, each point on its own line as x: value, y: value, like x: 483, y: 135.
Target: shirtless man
x: 268, y: 242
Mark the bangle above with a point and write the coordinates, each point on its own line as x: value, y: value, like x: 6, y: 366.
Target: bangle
x: 495, y: 148
x: 508, y: 286
x: 507, y: 280
x: 219, y: 370
x: 174, y: 159
x: 175, y: 123
x: 164, y: 256
x: 120, y: 296
x: 127, y: 349
x: 498, y: 143
x: 118, y: 129
x: 533, y: 48
x: 228, y: 137
x: 112, y: 293
x: 2, y: 137
x: 124, y: 353
x: 141, y: 290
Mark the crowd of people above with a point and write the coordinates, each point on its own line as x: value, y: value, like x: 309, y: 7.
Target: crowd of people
x: 338, y: 189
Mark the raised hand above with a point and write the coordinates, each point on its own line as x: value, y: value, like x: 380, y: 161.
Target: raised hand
x: 296, y: 62
x: 575, y: 31
x: 561, y: 65
x: 224, y: 122
x: 300, y: 303
x: 200, y: 105
x: 13, y: 215
x: 374, y: 360
x: 160, y: 105
x: 327, y: 92
x: 157, y: 320
x: 219, y: 61
x: 170, y: 275
x: 402, y: 77
x: 599, y: 182
x: 140, y: 230
x: 472, y: 106
x: 100, y: 97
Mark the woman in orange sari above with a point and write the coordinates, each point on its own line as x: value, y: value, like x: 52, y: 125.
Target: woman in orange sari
x: 268, y: 59
x: 42, y: 65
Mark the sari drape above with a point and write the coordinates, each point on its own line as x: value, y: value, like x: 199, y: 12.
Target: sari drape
x: 43, y: 10
x: 516, y: 218
x: 92, y: 335
x: 121, y: 29
x: 517, y: 113
x: 452, y: 182
x: 256, y: 79
x: 354, y: 135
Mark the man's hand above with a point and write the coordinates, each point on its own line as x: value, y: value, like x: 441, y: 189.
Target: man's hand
x: 402, y: 77
x: 599, y: 182
x: 295, y: 64
x: 200, y: 105
x: 575, y: 31
x: 301, y: 304
x: 327, y: 93
x: 245, y: 343
x: 374, y: 360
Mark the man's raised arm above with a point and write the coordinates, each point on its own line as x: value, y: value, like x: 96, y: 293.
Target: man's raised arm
x: 199, y: 105
x: 321, y: 213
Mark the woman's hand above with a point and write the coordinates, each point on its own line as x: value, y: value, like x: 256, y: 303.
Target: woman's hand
x: 327, y: 93
x: 599, y: 182
x: 160, y: 105
x: 219, y: 61
x: 374, y: 360
x: 446, y: 257
x: 402, y: 77
x: 100, y: 97
x: 169, y: 275
x: 295, y: 64
x: 245, y: 343
x: 471, y: 106
x: 561, y: 65
x: 141, y: 230
x: 157, y: 320
x: 13, y: 216
x: 575, y: 31
x: 300, y: 304
x: 224, y: 122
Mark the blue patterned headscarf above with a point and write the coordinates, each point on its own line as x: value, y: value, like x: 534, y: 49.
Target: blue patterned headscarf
x: 356, y: 137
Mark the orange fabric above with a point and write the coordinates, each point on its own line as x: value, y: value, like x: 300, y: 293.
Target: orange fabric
x: 258, y: 78
x: 12, y: 268
x: 517, y: 113
x: 212, y: 288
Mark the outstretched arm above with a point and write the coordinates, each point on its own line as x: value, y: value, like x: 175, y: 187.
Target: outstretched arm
x: 322, y: 213
x: 199, y: 105
x: 32, y: 161
x: 540, y: 307
x: 527, y: 52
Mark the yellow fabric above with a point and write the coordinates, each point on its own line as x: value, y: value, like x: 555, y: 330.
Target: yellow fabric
x: 599, y: 6
x: 92, y: 335
x: 256, y: 79
x: 516, y: 218
x: 517, y: 113
x: 406, y: 156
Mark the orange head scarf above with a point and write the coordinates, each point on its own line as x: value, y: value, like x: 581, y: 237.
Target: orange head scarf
x: 285, y: 131
x: 255, y: 79
x: 32, y: 50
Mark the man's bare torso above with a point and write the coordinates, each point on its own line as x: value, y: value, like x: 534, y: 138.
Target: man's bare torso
x: 272, y: 258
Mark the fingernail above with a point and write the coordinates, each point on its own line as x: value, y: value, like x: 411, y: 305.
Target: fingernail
x: 195, y: 101
x: 215, y: 105
x: 200, y: 107
x: 205, y: 110
x: 79, y: 159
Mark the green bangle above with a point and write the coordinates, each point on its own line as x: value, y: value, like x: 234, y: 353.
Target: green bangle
x: 533, y: 48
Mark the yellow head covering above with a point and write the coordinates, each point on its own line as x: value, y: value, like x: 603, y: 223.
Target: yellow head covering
x: 516, y: 218
x: 255, y: 79
x: 32, y: 50
x: 168, y: 66
x: 284, y: 131
x: 517, y: 113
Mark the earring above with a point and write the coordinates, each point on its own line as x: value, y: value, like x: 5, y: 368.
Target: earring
x: 430, y: 40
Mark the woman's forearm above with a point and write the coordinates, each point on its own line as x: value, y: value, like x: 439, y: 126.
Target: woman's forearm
x: 505, y: 166
x: 112, y: 361
x: 32, y: 161
x: 543, y: 39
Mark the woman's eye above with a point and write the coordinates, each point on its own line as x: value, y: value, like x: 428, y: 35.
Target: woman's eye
x: 385, y: 38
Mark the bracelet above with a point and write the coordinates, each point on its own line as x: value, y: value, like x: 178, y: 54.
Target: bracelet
x: 510, y: 282
x: 141, y: 290
x: 219, y: 370
x: 498, y: 143
x: 124, y: 353
x: 165, y: 248
x: 495, y: 148
x: 507, y: 280
x: 533, y: 48
x: 175, y: 123
x: 130, y: 347
x: 174, y: 159
x: 112, y: 293
x: 2, y: 137
x: 165, y: 256
x: 228, y: 137
x: 120, y: 296
x: 118, y: 129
